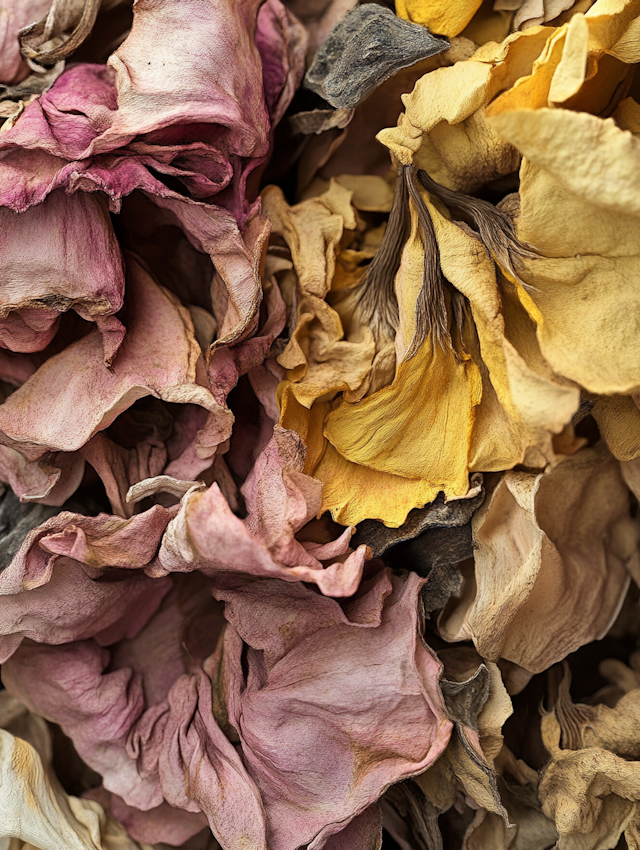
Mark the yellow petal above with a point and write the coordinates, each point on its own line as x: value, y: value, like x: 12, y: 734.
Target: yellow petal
x: 353, y: 493
x: 585, y: 285
x: 618, y: 420
x: 572, y: 68
x: 523, y: 402
x: 442, y: 17
x: 419, y: 427
x: 370, y: 193
x: 312, y: 230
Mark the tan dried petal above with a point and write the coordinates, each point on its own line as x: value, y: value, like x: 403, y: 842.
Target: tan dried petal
x: 552, y: 552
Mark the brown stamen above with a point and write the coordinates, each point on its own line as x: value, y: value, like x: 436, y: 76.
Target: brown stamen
x: 494, y: 227
x: 431, y: 307
x: 378, y: 304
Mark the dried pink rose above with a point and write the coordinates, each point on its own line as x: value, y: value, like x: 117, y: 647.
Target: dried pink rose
x: 174, y: 110
x: 157, y: 713
x: 34, y: 420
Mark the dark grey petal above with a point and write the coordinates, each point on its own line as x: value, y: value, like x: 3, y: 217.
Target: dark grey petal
x: 319, y: 121
x: 465, y: 700
x: 368, y: 46
x: 438, y: 515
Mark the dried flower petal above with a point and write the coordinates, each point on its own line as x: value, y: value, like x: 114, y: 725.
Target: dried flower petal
x: 540, y: 540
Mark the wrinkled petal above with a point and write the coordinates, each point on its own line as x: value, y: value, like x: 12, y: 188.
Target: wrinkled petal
x: 280, y: 499
x: 530, y: 559
x: 287, y: 720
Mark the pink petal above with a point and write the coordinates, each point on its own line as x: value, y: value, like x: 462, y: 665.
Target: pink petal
x: 68, y: 685
x: 15, y: 15
x: 51, y: 480
x: 163, y: 823
x: 35, y: 418
x: 71, y: 606
x: 53, y: 275
x: 340, y: 711
x: 96, y: 542
x: 121, y: 468
x: 206, y: 534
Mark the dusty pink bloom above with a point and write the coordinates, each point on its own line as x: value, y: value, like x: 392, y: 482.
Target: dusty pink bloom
x: 159, y: 357
x: 147, y: 724
x: 335, y: 702
x: 175, y: 109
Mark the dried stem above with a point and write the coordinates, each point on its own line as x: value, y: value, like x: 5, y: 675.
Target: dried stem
x: 431, y: 305
x: 52, y: 28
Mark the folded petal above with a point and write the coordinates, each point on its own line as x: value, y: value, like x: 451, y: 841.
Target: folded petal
x: 78, y: 379
x: 530, y: 558
x: 15, y: 15
x: 53, y: 275
x: 310, y: 699
x: 280, y: 499
x: 35, y: 809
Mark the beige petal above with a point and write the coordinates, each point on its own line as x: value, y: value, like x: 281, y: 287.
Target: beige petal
x: 550, y: 564
x: 35, y: 809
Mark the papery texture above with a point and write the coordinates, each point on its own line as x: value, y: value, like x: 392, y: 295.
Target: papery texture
x: 554, y: 550
x: 15, y: 15
x: 279, y: 499
x: 309, y: 683
x: 78, y: 379
x: 36, y: 810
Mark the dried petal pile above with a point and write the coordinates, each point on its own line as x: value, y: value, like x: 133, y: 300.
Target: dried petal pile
x: 319, y: 424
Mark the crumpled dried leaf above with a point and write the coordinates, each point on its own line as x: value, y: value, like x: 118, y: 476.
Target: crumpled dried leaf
x: 590, y: 793
x: 439, y: 514
x: 540, y: 540
x: 319, y: 18
x: 528, y: 829
x: 319, y: 120
x: 477, y: 700
x: 368, y: 46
